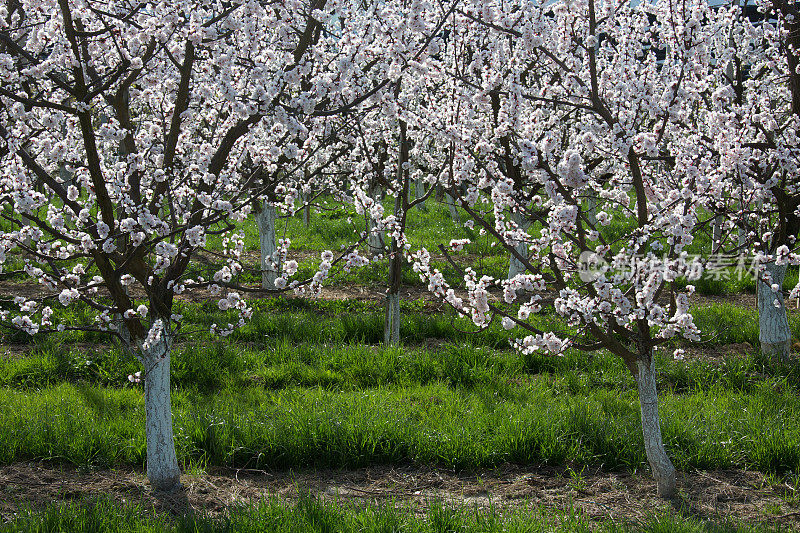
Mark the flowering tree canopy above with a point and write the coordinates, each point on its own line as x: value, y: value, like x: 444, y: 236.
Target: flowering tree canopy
x: 132, y: 131
x: 591, y: 121
x: 577, y: 133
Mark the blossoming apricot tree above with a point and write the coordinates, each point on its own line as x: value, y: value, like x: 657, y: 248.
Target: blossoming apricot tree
x: 594, y: 105
x: 752, y: 123
x: 125, y: 131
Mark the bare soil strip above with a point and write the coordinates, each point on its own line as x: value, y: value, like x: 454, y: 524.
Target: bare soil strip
x: 715, y: 496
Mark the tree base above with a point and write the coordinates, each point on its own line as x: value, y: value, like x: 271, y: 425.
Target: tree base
x: 660, y: 464
x: 167, y: 486
x: 777, y: 351
x: 391, y: 327
x: 667, y: 485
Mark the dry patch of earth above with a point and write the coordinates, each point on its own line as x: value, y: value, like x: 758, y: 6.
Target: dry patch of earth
x: 716, y: 496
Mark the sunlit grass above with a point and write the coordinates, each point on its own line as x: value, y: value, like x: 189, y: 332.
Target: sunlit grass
x: 308, y: 514
x: 464, y: 407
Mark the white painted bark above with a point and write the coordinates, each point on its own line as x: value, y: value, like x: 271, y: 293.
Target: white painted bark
x: 419, y: 192
x: 266, y: 219
x: 451, y: 206
x: 391, y: 328
x: 162, y: 461
x: 742, y: 234
x: 660, y: 464
x: 307, y: 212
x: 716, y: 234
x: 376, y: 239
x: 307, y: 199
x: 773, y: 325
x: 26, y: 222
x: 515, y: 266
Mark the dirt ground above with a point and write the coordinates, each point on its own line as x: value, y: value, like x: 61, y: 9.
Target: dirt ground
x: 716, y: 497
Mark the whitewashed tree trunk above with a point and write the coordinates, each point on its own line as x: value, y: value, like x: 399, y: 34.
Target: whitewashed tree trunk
x: 307, y: 212
x: 266, y: 219
x: 590, y: 208
x: 26, y: 222
x: 451, y: 206
x: 773, y: 325
x: 307, y: 194
x: 162, y: 461
x: 376, y: 239
x: 716, y: 234
x: 515, y: 266
x: 742, y: 233
x: 660, y: 464
x: 419, y: 192
x: 391, y: 328
x: 391, y: 332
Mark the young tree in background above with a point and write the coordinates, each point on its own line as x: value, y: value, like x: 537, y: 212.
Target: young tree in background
x: 752, y: 122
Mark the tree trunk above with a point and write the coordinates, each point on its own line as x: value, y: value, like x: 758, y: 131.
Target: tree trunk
x: 663, y: 471
x: 162, y: 461
x: 375, y: 240
x: 439, y: 195
x: 716, y: 234
x: 515, y: 266
x: 391, y: 324
x: 742, y: 232
x: 266, y: 219
x: 773, y: 325
x: 590, y: 208
x: 26, y: 222
x: 391, y: 327
x: 375, y: 237
x: 419, y: 192
x: 307, y: 213
x: 451, y: 206
x: 66, y: 180
x: 307, y: 199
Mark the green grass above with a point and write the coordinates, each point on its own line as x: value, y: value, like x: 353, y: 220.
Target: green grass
x: 296, y: 320
x: 539, y: 419
x: 299, y: 386
x: 309, y: 514
x: 299, y: 321
x: 286, y: 362
x: 333, y: 225
x: 725, y: 323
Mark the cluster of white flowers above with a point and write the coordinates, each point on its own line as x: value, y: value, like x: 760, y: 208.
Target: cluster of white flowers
x: 547, y: 342
x: 458, y: 244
